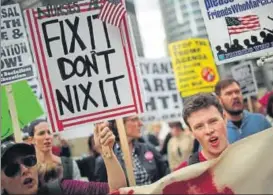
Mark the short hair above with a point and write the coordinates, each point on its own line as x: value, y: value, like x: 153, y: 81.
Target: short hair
x: 269, y: 106
x: 223, y: 84
x: 198, y: 102
x: 91, y: 145
x: 32, y: 126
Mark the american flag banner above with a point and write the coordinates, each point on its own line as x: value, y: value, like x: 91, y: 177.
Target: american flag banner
x: 238, y: 25
x: 112, y: 12
x: 245, y: 167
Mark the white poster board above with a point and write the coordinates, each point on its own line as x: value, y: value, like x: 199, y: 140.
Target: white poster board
x: 244, y: 74
x: 162, y: 99
x: 16, y: 60
x: 238, y: 29
x: 86, y: 67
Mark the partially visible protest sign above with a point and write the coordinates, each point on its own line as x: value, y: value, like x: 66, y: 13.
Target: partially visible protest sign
x: 194, y: 67
x: 162, y: 100
x: 244, y: 74
x: 238, y: 29
x: 86, y: 67
x: 12, y: 24
x: 27, y: 106
x: 16, y: 60
x: 35, y: 86
x: 223, y: 175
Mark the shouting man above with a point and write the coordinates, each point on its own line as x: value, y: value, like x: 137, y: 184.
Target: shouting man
x: 241, y: 123
x: 204, y: 116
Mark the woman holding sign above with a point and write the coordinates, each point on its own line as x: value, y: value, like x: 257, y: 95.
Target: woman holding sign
x: 148, y: 164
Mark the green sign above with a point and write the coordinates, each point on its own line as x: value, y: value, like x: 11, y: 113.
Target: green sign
x: 27, y: 105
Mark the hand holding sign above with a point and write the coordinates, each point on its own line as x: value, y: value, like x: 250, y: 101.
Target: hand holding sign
x: 104, y: 139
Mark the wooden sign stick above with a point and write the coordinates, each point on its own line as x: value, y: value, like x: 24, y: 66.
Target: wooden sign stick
x: 249, y: 102
x: 13, y: 112
x: 127, y: 156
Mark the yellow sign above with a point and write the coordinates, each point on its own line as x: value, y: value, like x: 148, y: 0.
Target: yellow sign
x: 194, y: 67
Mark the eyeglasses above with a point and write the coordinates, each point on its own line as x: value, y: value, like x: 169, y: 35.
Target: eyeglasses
x: 13, y: 169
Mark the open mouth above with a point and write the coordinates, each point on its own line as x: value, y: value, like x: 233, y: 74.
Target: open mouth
x: 47, y: 144
x: 28, y: 181
x: 237, y: 103
x: 214, y: 141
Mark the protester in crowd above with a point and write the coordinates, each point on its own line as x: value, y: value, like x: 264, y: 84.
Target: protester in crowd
x: 26, y: 138
x: 255, y: 105
x: 19, y: 173
x: 87, y: 165
x: 42, y: 141
x: 241, y: 123
x: 25, y: 135
x: 164, y: 149
x: 180, y: 145
x: 269, y: 109
x: 264, y: 100
x: 61, y: 146
x: 204, y: 115
x: 93, y: 150
x: 148, y: 164
x: 152, y: 137
x: 100, y: 173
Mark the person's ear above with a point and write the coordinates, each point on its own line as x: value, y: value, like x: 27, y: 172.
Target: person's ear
x: 32, y: 140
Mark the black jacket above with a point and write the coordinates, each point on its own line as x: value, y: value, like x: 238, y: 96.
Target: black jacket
x: 156, y: 168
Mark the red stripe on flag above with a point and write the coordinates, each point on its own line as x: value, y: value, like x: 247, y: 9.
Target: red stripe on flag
x: 112, y: 12
x: 244, y: 27
x: 248, y: 23
x: 115, y: 14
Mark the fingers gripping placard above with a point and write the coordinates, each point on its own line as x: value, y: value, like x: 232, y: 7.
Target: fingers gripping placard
x: 106, y: 151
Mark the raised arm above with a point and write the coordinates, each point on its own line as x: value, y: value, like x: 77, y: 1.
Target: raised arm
x: 104, y: 137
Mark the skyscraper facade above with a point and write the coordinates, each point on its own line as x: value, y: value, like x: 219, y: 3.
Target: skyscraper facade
x: 182, y: 19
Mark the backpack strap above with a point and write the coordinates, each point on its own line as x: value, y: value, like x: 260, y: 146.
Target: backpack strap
x: 194, y: 158
x: 67, y: 164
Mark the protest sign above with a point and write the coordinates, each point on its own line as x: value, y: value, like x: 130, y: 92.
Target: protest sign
x: 244, y: 74
x: 16, y: 60
x: 86, y: 67
x: 12, y: 24
x: 162, y: 100
x: 194, y: 67
x: 244, y: 28
x: 240, y: 169
x: 27, y: 106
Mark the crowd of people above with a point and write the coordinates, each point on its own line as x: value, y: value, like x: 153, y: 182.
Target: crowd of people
x: 213, y: 121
